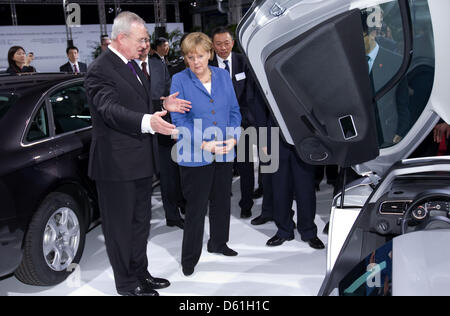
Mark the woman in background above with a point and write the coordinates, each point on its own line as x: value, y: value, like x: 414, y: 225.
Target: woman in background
x: 17, y: 61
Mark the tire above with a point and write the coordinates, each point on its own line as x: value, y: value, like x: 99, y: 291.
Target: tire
x: 54, y: 242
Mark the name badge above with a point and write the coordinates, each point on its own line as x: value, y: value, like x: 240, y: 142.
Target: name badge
x: 240, y: 76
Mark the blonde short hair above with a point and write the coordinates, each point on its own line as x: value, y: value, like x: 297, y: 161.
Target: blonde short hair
x: 195, y: 40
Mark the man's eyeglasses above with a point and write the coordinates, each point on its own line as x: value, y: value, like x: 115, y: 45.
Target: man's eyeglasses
x: 145, y: 40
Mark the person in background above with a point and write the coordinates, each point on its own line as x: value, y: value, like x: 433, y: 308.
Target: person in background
x: 104, y: 42
x: 162, y: 49
x: 206, y: 165
x: 294, y: 179
x: 169, y: 174
x: 239, y: 72
x: 17, y: 61
x: 73, y: 65
x: 441, y: 135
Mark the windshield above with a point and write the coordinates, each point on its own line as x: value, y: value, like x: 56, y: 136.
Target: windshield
x: 7, y: 100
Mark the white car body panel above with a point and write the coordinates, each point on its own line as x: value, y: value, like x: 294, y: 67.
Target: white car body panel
x: 420, y: 264
x: 341, y: 222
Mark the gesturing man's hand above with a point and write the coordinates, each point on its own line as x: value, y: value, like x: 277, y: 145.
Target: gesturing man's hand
x: 160, y: 126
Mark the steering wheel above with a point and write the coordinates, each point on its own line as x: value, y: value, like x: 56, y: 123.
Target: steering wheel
x: 431, y: 195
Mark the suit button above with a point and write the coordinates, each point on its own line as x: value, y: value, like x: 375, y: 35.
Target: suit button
x: 211, y: 101
x: 213, y: 112
x: 215, y: 123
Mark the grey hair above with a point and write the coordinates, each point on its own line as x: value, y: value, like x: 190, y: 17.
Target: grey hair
x: 123, y: 22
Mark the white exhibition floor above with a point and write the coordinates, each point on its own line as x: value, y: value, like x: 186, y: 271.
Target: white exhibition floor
x: 290, y: 269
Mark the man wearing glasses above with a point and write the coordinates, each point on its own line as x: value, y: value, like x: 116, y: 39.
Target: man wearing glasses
x: 123, y: 156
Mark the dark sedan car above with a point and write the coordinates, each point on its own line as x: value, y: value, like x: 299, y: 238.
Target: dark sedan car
x: 47, y: 201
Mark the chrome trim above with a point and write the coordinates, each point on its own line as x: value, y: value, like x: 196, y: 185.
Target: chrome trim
x: 353, y: 124
x: 55, y: 137
x: 386, y: 213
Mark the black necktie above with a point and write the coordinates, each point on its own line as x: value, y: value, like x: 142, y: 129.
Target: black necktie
x: 227, y: 66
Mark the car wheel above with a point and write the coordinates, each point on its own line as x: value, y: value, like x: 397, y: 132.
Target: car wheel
x: 54, y: 241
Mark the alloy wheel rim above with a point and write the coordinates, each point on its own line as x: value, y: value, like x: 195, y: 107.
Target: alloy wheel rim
x: 61, y: 239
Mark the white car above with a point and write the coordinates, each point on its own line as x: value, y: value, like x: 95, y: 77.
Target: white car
x: 361, y: 84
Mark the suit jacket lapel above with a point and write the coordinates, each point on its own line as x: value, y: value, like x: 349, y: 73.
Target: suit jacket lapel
x: 198, y: 84
x: 144, y: 80
x: 126, y: 73
x: 235, y: 67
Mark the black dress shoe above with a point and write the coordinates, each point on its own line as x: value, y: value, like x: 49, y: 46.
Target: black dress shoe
x: 188, y: 271
x: 258, y: 193
x: 225, y: 250
x: 316, y: 243
x: 260, y: 220
x: 179, y: 223
x: 182, y: 209
x: 246, y: 213
x: 152, y: 283
x: 139, y: 291
x: 277, y: 241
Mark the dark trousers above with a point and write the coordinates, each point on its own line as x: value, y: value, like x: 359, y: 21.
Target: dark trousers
x: 246, y: 171
x: 171, y: 194
x: 294, y: 177
x: 331, y: 171
x: 125, y: 209
x: 211, y: 183
x: 267, y: 204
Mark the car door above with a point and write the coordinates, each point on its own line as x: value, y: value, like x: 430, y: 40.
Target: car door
x: 329, y: 100
x: 72, y: 126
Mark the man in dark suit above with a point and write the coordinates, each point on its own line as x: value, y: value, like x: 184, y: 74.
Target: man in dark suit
x: 73, y: 65
x: 294, y: 178
x: 392, y: 112
x: 123, y: 156
x: 158, y: 75
x: 162, y: 48
x: 236, y: 65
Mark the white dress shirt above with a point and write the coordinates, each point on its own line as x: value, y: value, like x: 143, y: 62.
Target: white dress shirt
x: 145, y: 124
x: 139, y: 62
x: 373, y: 55
x: 73, y: 66
x: 222, y: 64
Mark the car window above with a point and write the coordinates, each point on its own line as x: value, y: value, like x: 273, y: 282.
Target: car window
x: 398, y: 110
x: 39, y: 126
x: 7, y: 100
x: 70, y: 109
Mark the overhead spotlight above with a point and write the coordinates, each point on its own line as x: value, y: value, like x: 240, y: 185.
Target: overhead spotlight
x: 110, y: 10
x: 194, y: 4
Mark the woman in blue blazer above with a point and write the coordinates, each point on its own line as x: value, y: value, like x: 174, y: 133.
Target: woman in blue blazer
x: 208, y: 135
